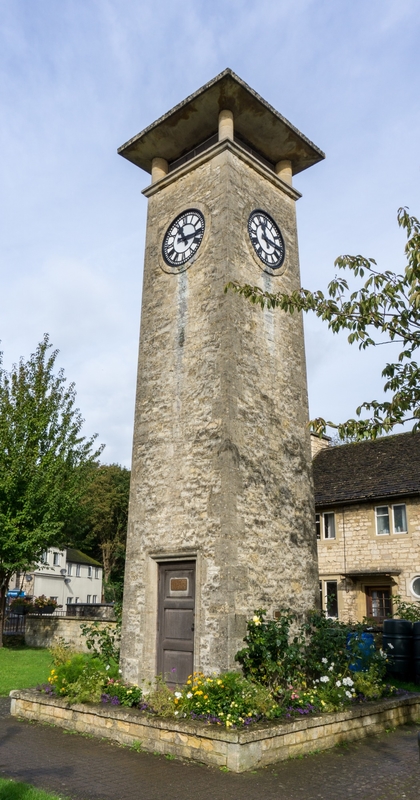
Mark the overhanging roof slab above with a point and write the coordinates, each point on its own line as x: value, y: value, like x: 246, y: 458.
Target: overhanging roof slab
x: 194, y: 120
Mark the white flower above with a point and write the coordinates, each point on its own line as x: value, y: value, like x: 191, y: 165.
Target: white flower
x: 330, y: 669
x: 189, y: 695
x: 338, y: 683
x: 108, y: 667
x: 324, y: 660
x: 390, y: 645
x: 324, y: 679
x: 348, y: 682
x: 120, y: 671
x: 349, y: 694
x: 178, y: 694
x: 176, y: 713
x: 256, y: 620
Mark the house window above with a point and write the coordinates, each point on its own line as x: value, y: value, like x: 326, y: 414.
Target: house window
x: 45, y: 557
x: 89, y: 572
x: 94, y: 598
x: 88, y: 598
x: 56, y: 559
x: 329, y: 526
x: 76, y: 599
x: 415, y: 587
x: 325, y: 525
x: 77, y: 570
x: 97, y: 572
x: 54, y: 598
x: 399, y: 515
x: 378, y: 603
x: 69, y: 601
x: 382, y: 520
x: 331, y: 599
x: 69, y: 569
x: 320, y: 595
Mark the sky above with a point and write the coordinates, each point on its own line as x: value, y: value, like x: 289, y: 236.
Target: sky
x: 78, y: 78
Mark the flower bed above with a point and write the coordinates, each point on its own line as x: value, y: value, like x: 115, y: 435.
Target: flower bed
x: 237, y: 749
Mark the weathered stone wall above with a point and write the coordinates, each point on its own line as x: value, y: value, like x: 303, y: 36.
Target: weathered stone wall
x: 358, y: 547
x: 237, y: 750
x: 46, y: 631
x: 221, y: 464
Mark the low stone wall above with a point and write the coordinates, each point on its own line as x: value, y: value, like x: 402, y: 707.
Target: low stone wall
x: 238, y: 750
x: 48, y: 630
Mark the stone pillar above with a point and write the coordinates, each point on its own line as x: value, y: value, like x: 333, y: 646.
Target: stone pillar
x: 284, y: 170
x: 160, y: 168
x: 225, y: 125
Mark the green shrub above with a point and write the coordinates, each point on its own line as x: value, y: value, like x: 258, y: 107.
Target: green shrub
x: 273, y: 654
x: 227, y: 699
x: 103, y: 640
x: 81, y: 677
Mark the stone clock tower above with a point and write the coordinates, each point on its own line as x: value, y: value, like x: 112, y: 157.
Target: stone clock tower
x: 221, y: 512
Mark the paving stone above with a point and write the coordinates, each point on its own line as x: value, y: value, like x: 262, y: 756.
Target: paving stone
x: 384, y: 767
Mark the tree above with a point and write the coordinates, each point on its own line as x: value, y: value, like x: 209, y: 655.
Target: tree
x: 385, y: 309
x: 44, y: 462
x: 103, y: 530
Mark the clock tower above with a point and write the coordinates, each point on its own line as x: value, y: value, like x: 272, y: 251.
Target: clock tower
x: 221, y: 517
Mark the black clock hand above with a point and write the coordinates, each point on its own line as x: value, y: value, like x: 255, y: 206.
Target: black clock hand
x: 189, y: 236
x: 269, y: 241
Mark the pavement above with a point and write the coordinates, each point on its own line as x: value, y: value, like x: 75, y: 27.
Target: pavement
x: 384, y: 767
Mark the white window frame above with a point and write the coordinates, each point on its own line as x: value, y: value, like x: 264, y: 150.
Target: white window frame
x: 391, y: 519
x: 76, y: 599
x: 412, y: 590
x: 77, y: 570
x: 69, y: 568
x: 89, y: 572
x: 56, y: 559
x: 94, y: 599
x: 320, y: 526
x: 399, y: 505
x: 88, y: 598
x: 97, y: 575
x: 382, y: 533
x: 69, y: 601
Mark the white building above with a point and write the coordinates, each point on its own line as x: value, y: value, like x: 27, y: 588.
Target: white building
x: 69, y: 576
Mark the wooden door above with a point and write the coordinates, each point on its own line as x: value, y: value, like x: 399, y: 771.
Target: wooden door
x: 176, y: 621
x: 378, y: 602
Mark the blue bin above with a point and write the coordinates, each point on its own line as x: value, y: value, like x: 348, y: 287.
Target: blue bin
x: 364, y: 647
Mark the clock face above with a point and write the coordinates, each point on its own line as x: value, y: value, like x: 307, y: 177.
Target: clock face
x: 266, y: 239
x: 183, y: 237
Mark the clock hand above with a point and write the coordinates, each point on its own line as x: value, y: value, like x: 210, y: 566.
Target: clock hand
x: 270, y: 241
x: 189, y: 236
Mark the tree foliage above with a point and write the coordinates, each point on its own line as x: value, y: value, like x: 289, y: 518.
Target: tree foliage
x: 45, y: 461
x: 103, y: 528
x: 385, y: 309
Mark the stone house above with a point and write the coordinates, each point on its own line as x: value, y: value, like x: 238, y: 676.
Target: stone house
x: 367, y: 503
x: 69, y: 576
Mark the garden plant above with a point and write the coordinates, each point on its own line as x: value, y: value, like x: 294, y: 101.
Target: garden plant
x: 289, y: 668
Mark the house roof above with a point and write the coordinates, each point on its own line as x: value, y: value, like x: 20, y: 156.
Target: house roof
x: 195, y: 119
x: 77, y: 557
x: 371, y: 470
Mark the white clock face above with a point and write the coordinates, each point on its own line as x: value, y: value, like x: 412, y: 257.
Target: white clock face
x: 183, y: 237
x: 266, y: 239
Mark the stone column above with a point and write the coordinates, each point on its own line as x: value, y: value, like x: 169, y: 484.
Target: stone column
x: 160, y: 168
x: 225, y: 125
x: 284, y: 170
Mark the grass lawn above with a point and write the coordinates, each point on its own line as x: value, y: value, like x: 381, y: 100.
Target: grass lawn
x: 10, y: 790
x: 22, y: 668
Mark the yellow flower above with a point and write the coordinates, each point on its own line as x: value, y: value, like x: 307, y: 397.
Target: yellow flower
x: 206, y: 697
x: 188, y: 682
x: 176, y: 699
